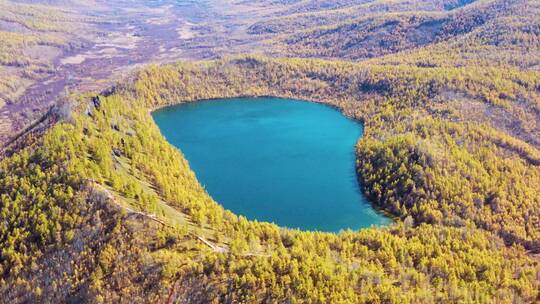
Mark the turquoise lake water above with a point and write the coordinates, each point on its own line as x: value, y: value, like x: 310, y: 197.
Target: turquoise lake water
x: 277, y: 160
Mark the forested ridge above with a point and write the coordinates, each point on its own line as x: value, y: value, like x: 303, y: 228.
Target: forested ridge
x: 488, y: 32
x: 96, y: 206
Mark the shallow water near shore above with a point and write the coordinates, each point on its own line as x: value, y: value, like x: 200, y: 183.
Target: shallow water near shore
x: 277, y: 160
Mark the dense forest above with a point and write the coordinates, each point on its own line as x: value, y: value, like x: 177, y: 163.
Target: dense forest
x: 461, y: 239
x: 96, y: 206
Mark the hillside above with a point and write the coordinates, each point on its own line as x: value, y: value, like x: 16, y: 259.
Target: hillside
x: 361, y: 30
x: 96, y: 205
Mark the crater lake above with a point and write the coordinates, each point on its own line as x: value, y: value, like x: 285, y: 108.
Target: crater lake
x: 278, y: 160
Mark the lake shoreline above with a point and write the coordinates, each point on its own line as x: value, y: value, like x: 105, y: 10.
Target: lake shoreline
x: 339, y: 111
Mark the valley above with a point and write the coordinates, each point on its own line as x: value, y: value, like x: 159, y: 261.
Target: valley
x: 98, y: 43
x: 105, y: 40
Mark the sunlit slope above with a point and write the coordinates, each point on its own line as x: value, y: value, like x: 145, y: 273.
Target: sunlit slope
x: 461, y: 31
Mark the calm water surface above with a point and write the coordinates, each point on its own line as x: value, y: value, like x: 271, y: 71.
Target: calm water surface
x: 277, y: 160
